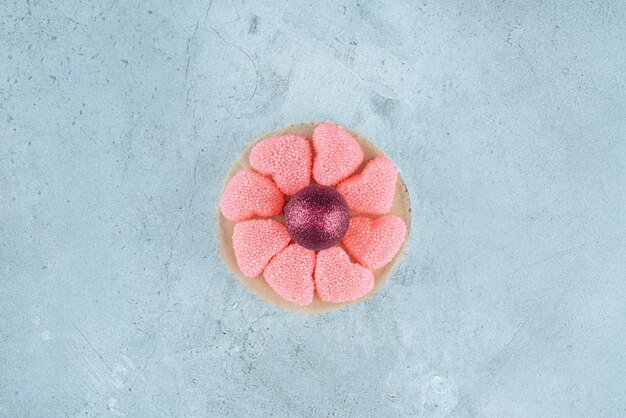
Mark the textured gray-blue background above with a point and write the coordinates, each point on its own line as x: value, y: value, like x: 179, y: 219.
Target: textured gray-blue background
x: 119, y: 121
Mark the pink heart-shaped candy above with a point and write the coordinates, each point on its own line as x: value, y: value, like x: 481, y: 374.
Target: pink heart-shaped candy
x: 287, y: 159
x: 337, y: 154
x: 290, y: 274
x: 374, y: 242
x: 337, y: 279
x: 256, y: 241
x: 248, y: 194
x: 372, y: 190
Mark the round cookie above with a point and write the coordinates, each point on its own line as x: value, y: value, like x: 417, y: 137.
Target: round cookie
x: 400, y: 207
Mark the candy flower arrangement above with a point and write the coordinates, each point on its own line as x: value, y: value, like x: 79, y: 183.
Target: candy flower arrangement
x: 310, y: 218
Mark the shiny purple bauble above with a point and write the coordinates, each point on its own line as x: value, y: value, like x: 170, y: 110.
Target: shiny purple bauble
x: 317, y: 217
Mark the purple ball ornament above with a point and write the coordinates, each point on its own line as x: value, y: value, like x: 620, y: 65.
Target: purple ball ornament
x: 317, y: 217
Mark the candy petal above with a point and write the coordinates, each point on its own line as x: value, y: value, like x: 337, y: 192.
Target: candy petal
x: 248, y: 194
x: 372, y: 190
x: 337, y: 279
x: 337, y: 154
x: 255, y: 242
x: 287, y: 159
x: 374, y: 242
x: 290, y: 274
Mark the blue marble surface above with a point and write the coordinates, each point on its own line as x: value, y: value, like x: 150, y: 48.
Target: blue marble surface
x: 120, y: 119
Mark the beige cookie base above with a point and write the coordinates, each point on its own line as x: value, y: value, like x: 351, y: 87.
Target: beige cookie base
x: 257, y: 285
